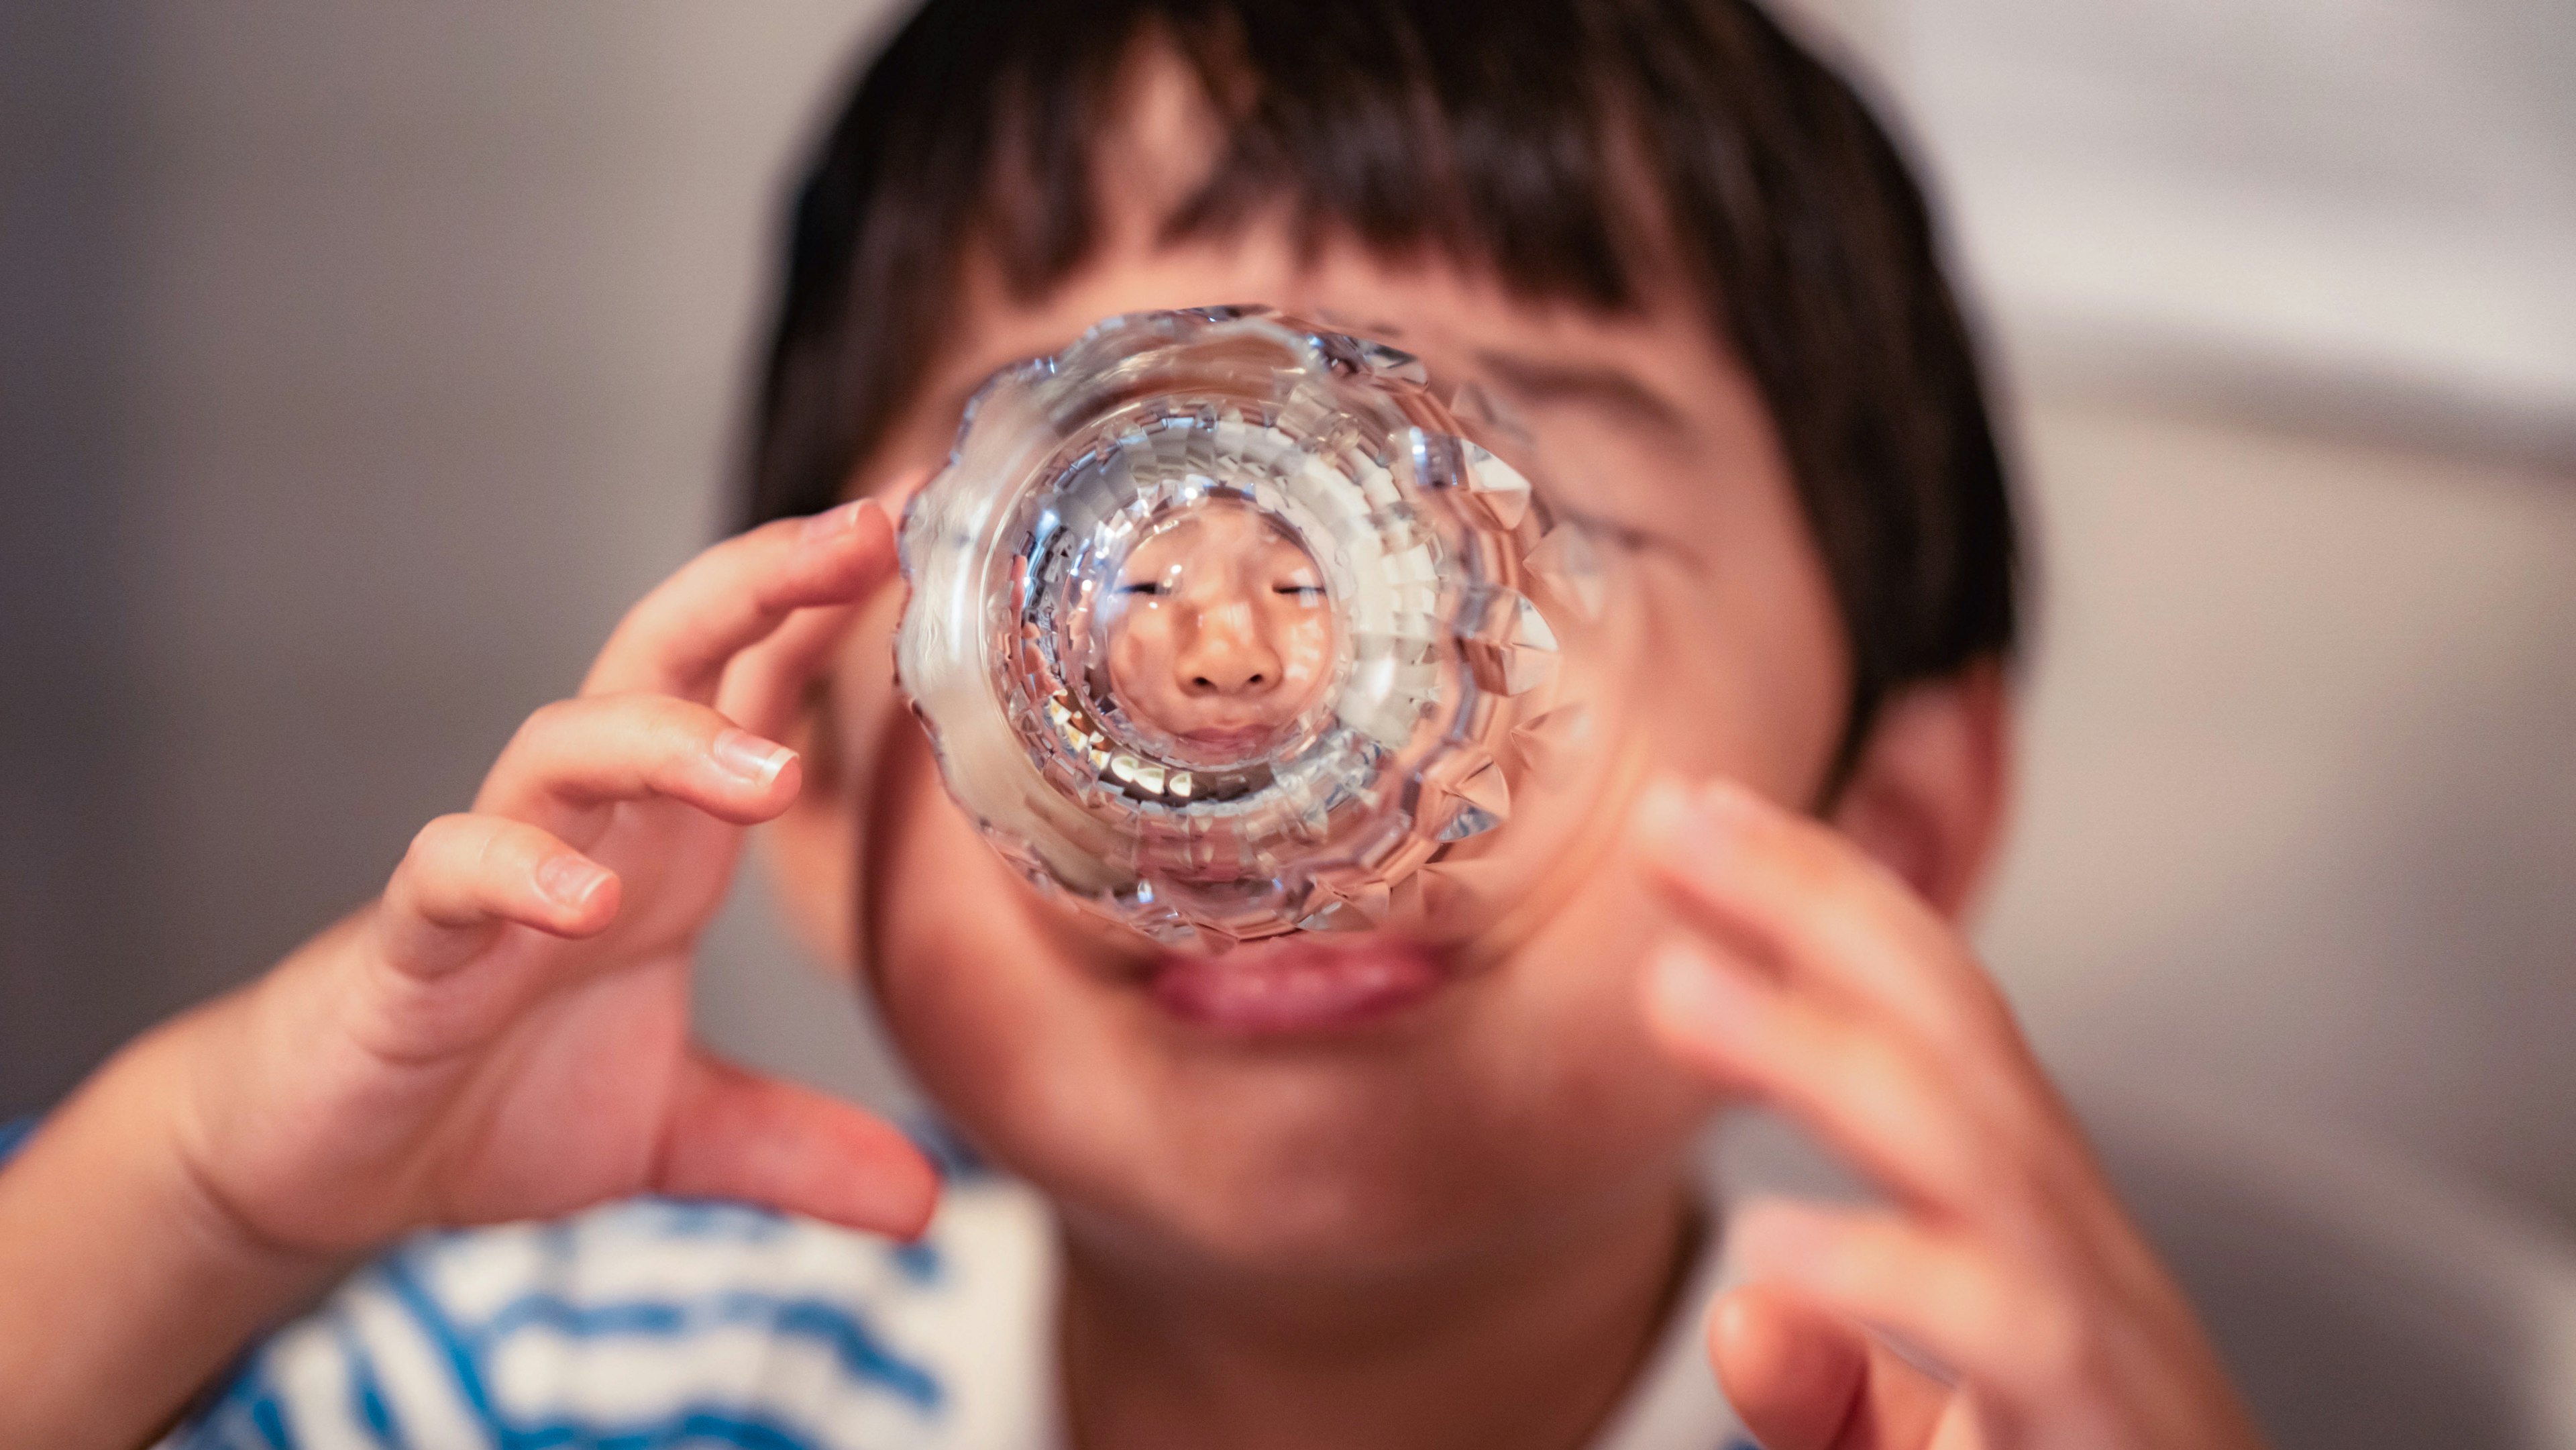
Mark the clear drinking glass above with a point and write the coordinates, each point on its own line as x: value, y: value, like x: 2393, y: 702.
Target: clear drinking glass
x: 1228, y: 625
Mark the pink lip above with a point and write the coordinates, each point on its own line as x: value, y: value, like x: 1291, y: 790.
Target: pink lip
x: 1298, y: 986
x: 1239, y: 737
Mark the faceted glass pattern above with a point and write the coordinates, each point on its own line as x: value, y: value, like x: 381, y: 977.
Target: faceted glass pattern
x: 1228, y: 625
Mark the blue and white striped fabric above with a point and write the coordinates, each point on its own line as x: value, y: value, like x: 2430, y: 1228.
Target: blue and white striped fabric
x: 656, y: 1323
x: 663, y: 1325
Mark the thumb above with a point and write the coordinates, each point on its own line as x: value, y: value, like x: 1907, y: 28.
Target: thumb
x: 1793, y: 1372
x: 1802, y: 1378
x: 739, y: 1135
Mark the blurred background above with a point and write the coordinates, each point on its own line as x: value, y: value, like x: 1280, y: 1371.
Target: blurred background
x: 358, y: 365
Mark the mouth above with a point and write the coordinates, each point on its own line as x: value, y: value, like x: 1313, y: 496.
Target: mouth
x: 1299, y: 986
x: 1230, y: 738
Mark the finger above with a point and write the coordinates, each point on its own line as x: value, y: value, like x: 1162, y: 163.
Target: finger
x: 738, y: 1135
x: 680, y: 638
x: 1793, y: 1373
x: 574, y: 756
x: 1804, y: 1379
x: 1795, y: 894
x: 1937, y: 1293
x: 1850, y: 939
x: 765, y: 687
x: 1869, y: 1093
x: 466, y: 876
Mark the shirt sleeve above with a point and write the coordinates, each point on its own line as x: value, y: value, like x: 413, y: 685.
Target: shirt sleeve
x: 14, y: 1134
x: 650, y: 1323
x: 359, y: 1371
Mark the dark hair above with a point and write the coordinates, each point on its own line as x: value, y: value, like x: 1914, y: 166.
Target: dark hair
x: 1496, y: 131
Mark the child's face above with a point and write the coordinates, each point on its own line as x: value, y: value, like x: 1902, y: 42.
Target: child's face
x: 1218, y: 630
x: 1337, y: 1103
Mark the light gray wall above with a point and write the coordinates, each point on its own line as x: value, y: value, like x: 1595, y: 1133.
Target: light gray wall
x: 359, y: 364
x: 2353, y: 212
x: 362, y: 363
x: 2300, y: 805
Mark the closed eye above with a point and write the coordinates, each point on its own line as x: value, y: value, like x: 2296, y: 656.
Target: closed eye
x: 1144, y: 586
x: 1299, y: 591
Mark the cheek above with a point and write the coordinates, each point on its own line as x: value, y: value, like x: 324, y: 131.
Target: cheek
x: 1746, y: 671
x: 1140, y: 649
x: 972, y: 992
x: 1745, y: 678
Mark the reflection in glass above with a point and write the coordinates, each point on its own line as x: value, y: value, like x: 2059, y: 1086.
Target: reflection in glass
x: 1220, y: 638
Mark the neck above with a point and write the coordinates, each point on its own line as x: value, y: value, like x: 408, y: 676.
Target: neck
x: 1529, y: 1348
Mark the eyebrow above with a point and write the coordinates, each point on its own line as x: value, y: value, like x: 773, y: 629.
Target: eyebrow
x: 1612, y: 389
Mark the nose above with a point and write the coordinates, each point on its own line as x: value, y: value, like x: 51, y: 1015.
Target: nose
x: 1228, y: 655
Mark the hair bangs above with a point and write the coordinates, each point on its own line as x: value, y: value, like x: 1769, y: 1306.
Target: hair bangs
x: 1414, y: 132
x: 1368, y: 125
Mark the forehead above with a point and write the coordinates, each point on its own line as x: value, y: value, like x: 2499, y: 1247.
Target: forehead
x: 1642, y: 412
x: 1657, y: 360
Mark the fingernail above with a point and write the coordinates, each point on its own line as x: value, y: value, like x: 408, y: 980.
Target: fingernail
x: 1691, y: 989
x: 831, y: 523
x: 750, y: 758
x: 571, y: 880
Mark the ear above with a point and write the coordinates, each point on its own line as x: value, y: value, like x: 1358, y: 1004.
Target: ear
x: 1928, y: 796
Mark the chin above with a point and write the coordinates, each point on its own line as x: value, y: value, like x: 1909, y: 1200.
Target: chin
x: 1327, y: 1186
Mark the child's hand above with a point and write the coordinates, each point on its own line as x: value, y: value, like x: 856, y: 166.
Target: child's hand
x: 1820, y: 984
x: 505, y: 1032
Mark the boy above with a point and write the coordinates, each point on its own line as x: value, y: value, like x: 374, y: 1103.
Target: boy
x: 1342, y: 1192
